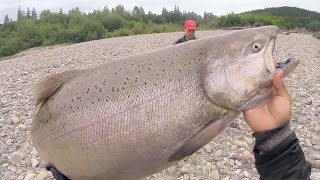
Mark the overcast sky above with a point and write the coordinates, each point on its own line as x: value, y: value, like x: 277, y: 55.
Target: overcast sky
x: 217, y: 7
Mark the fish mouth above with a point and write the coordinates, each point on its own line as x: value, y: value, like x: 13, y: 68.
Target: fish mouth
x: 268, y: 56
x: 287, y: 65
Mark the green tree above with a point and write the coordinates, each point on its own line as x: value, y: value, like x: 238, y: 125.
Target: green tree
x: 313, y: 26
x: 20, y: 14
x: 28, y: 14
x: 34, y: 14
x: 6, y: 19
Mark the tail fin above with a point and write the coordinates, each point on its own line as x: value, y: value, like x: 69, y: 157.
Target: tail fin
x: 46, y: 87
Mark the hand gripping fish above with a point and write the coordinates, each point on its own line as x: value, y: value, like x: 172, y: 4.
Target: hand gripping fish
x: 135, y: 116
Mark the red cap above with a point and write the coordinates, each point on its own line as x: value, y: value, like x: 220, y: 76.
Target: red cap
x: 190, y: 24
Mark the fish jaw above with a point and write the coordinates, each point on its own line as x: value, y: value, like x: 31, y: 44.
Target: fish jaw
x: 268, y: 56
x: 287, y: 66
x: 265, y: 90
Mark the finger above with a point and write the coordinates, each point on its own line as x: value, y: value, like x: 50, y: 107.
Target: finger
x: 279, y: 86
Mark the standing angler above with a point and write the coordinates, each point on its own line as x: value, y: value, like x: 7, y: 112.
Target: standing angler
x: 190, y: 27
x: 130, y: 118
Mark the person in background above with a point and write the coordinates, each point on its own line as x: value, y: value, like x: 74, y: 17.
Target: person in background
x: 190, y: 28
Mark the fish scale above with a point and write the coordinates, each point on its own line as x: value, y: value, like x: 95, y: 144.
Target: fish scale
x: 135, y: 116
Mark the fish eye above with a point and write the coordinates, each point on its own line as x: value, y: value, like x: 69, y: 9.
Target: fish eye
x: 256, y: 47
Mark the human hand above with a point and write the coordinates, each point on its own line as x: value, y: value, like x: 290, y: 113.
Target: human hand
x: 275, y: 113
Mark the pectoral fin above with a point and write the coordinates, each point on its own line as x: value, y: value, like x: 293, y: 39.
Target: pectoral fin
x: 204, y: 136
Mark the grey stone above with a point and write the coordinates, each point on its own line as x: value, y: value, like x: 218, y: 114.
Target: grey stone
x: 315, y: 141
x: 16, y: 157
x: 316, y: 156
x: 248, y: 140
x: 238, y: 163
x: 215, y: 175
x: 231, y: 162
x: 7, y: 174
x: 220, y: 165
x: 315, y: 176
x: 15, y: 119
x: 186, y: 177
x: 184, y: 170
x: 317, y: 129
x: 238, y: 171
x: 208, y: 148
x: 316, y: 147
x: 42, y: 175
x: 34, y: 163
x: 246, y: 174
x: 172, y: 170
x: 315, y: 163
x: 218, y: 153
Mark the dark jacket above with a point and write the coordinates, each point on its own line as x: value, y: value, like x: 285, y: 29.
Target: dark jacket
x: 279, y: 156
x: 183, y: 39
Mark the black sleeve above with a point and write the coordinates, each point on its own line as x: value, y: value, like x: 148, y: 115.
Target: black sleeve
x: 279, y: 156
x: 178, y: 41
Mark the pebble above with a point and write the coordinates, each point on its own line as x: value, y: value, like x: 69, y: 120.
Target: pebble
x: 243, y: 157
x: 248, y: 140
x: 218, y: 153
x: 231, y: 162
x: 42, y: 175
x: 34, y: 163
x: 238, y: 171
x: 316, y: 147
x: 15, y: 120
x: 220, y: 165
x: 215, y: 175
x: 16, y: 157
x: 241, y: 144
x: 315, y: 176
x: 246, y: 174
x: 308, y: 101
x: 2, y: 161
x: 315, y: 164
x: 238, y: 163
x: 208, y: 148
x: 317, y: 129
x: 19, y: 171
x: 184, y: 170
x: 186, y: 177
x: 172, y: 170
x: 7, y: 174
x: 226, y: 178
x: 317, y: 156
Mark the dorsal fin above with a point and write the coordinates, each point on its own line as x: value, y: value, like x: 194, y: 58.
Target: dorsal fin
x: 46, y: 87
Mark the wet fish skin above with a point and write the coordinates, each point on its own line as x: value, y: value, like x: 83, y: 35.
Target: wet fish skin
x: 130, y: 118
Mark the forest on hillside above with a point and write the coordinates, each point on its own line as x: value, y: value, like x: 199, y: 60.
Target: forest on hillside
x: 49, y: 28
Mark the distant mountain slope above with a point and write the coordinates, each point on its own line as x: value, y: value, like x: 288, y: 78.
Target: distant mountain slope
x: 295, y: 17
x: 288, y: 12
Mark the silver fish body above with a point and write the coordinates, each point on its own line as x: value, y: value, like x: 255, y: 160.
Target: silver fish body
x: 130, y: 118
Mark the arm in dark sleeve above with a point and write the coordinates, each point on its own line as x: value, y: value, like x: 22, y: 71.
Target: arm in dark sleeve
x: 279, y: 156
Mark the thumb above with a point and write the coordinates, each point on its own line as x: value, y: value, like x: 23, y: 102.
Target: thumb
x: 279, y: 86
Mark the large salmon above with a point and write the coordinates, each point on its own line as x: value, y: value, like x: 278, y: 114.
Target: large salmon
x: 135, y: 116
